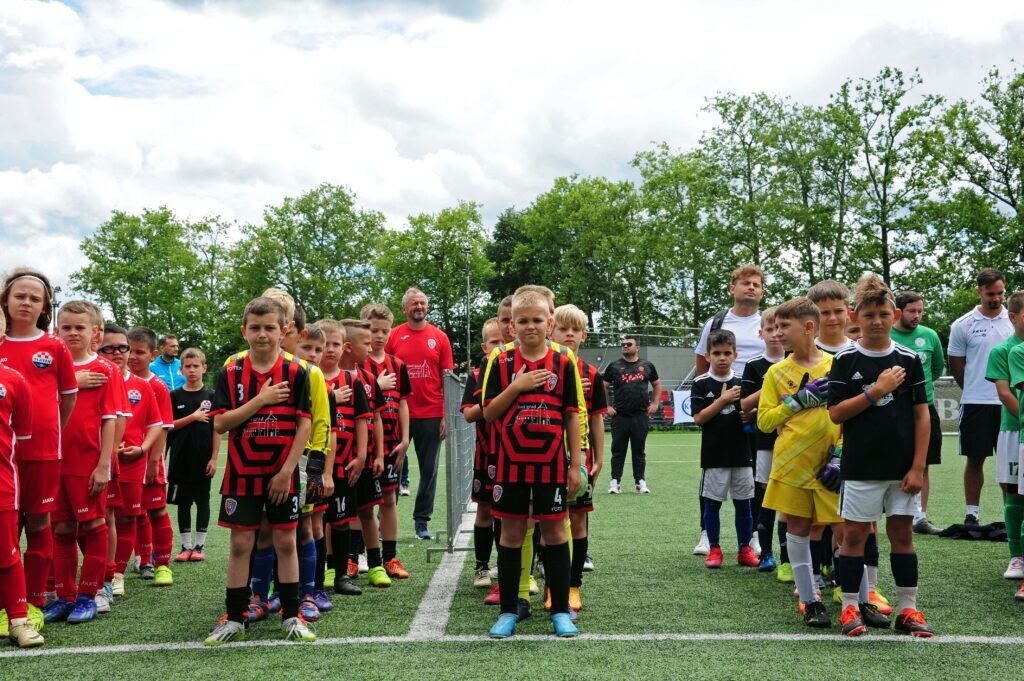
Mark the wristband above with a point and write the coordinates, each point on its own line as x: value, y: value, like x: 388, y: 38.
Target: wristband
x: 868, y: 395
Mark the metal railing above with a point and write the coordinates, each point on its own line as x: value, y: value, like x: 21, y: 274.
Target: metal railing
x: 459, y: 450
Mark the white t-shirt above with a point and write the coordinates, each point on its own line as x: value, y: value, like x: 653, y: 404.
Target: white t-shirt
x: 973, y: 336
x: 748, y: 342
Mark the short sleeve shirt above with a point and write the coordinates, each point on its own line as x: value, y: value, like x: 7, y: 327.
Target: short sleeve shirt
x: 427, y: 353
x: 972, y: 337
x: 80, y: 439
x: 998, y: 369
x: 748, y: 338
x: 15, y: 431
x: 723, y: 444
x: 631, y: 382
x: 925, y: 342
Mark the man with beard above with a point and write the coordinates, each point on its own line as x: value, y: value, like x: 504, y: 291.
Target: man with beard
x: 909, y: 332
x: 427, y: 353
x: 971, y: 339
x: 631, y: 377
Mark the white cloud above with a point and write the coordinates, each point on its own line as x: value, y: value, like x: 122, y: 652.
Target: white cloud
x: 222, y: 108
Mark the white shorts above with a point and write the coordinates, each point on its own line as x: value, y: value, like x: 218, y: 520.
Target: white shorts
x: 763, y: 470
x: 1020, y: 460
x: 866, y: 501
x: 718, y: 484
x: 1007, y: 453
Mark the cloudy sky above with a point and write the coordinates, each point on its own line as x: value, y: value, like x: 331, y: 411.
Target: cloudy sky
x: 222, y: 107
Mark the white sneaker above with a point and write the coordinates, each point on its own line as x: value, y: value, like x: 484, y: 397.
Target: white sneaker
x: 493, y: 572
x: 296, y: 629
x: 614, y: 488
x: 755, y: 545
x: 225, y: 632
x: 118, y: 584
x: 588, y: 564
x: 364, y: 567
x: 642, y: 488
x: 136, y: 564
x: 1016, y: 569
x: 482, y: 578
x: 102, y: 601
x: 703, y: 547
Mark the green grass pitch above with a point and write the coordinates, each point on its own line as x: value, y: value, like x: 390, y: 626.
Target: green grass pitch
x: 647, y: 583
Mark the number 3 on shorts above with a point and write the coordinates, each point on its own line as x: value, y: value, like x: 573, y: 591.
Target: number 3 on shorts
x: 295, y: 504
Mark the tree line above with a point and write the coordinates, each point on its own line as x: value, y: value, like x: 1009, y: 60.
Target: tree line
x: 883, y: 177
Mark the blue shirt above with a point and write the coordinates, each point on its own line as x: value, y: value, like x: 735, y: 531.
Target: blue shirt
x: 169, y: 373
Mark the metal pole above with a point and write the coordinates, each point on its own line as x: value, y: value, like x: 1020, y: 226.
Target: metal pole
x: 469, y: 318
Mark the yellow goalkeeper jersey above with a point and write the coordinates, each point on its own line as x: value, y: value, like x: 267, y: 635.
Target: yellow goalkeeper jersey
x: 805, y: 436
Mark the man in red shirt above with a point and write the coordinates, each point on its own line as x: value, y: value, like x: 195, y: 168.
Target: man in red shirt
x: 427, y: 353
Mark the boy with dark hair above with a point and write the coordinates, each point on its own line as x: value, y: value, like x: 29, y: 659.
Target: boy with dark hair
x: 263, y: 401
x: 530, y: 393
x: 876, y: 391
x: 725, y: 461
x: 194, y: 447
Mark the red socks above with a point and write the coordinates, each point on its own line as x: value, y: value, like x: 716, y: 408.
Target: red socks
x: 65, y: 566
x: 126, y: 532
x: 163, y: 540
x: 38, y: 561
x: 12, y: 592
x: 94, y: 562
x: 144, y: 540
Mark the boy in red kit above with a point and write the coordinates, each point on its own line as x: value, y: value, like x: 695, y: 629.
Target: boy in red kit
x: 88, y: 443
x: 156, y: 536
x: 45, y: 363
x: 15, y: 430
x: 392, y: 378
x: 144, y: 428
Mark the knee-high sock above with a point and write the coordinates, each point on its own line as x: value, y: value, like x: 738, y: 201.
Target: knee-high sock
x: 871, y: 560
x: 94, y: 561
x: 12, y: 592
x: 744, y: 521
x: 127, y: 530
x: 579, y: 556
x: 144, y: 540
x: 38, y: 562
x: 800, y: 557
x: 713, y: 521
x: 702, y: 527
x: 904, y: 573
x: 307, y: 568
x: 483, y: 536
x: 783, y: 546
x: 755, y: 503
x: 321, y: 562
x: 65, y: 565
x: 816, y: 545
x: 1013, y: 514
x: 556, y: 575
x: 262, y: 572
x: 185, y: 525
x: 163, y: 540
x: 509, y: 568
x: 851, y: 572
x: 497, y: 534
x: 340, y: 541
x: 765, y: 525
x: 525, y: 565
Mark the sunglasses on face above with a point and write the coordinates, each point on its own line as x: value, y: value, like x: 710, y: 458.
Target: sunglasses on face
x: 627, y: 345
x: 111, y: 349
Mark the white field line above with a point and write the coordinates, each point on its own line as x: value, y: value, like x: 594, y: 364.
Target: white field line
x: 431, y: 618
x: 526, y: 638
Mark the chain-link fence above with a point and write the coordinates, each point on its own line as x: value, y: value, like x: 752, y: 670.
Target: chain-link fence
x: 459, y: 448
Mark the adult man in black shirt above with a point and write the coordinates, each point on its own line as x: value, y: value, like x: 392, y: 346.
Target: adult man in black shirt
x: 632, y: 408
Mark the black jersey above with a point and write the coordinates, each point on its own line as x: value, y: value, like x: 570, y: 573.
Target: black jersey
x: 753, y: 378
x: 258, y: 448
x: 472, y: 396
x: 878, y: 443
x: 723, y: 444
x: 631, y: 382
x: 192, y: 446
x: 378, y: 403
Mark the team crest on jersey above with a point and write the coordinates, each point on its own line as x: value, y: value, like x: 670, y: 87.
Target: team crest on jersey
x: 230, y: 506
x: 134, y: 396
x: 42, y: 360
x: 431, y: 343
x: 919, y: 342
x: 552, y: 382
x: 476, y: 485
x: 368, y: 389
x: 641, y: 368
x: 3, y: 391
x: 882, y: 401
x: 206, y: 405
x: 492, y: 472
x: 497, y: 493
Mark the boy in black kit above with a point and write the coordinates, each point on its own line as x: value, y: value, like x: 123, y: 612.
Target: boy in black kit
x: 530, y: 396
x: 262, y: 399
x: 724, y: 452
x: 877, y: 392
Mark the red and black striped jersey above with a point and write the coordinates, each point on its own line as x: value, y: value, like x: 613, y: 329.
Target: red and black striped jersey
x: 597, y: 401
x: 531, y: 432
x: 402, y: 390
x: 374, y: 398
x: 346, y: 414
x: 472, y: 396
x: 259, y: 447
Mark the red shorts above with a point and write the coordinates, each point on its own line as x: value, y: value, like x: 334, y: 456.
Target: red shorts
x: 154, y: 497
x: 75, y: 504
x: 40, y: 482
x: 114, y: 500
x: 10, y: 541
x: 131, y: 499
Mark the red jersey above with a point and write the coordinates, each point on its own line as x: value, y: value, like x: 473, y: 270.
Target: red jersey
x: 345, y: 416
x: 80, y: 439
x: 402, y: 390
x: 163, y: 403
x: 258, y: 448
x: 15, y: 431
x: 145, y: 415
x: 45, y: 363
x: 428, y: 354
x: 124, y: 409
x: 374, y: 398
x: 531, y: 432
x: 472, y: 397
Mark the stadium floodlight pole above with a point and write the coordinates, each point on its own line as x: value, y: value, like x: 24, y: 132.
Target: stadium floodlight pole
x: 54, y: 304
x: 467, y: 251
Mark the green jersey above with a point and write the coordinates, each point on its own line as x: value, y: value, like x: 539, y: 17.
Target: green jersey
x: 998, y: 369
x: 925, y: 342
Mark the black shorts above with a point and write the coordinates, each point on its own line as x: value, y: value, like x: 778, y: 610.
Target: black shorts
x: 513, y: 499
x: 979, y: 429
x: 585, y: 502
x: 935, y: 437
x: 483, y: 484
x: 185, y: 493
x: 246, y: 512
x: 341, y: 506
x: 368, y: 491
x: 392, y: 472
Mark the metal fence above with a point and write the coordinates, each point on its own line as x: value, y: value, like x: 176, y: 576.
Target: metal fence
x: 459, y: 449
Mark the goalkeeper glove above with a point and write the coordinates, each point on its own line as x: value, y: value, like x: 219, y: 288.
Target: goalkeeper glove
x: 810, y: 395
x: 315, y: 464
x: 830, y: 475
